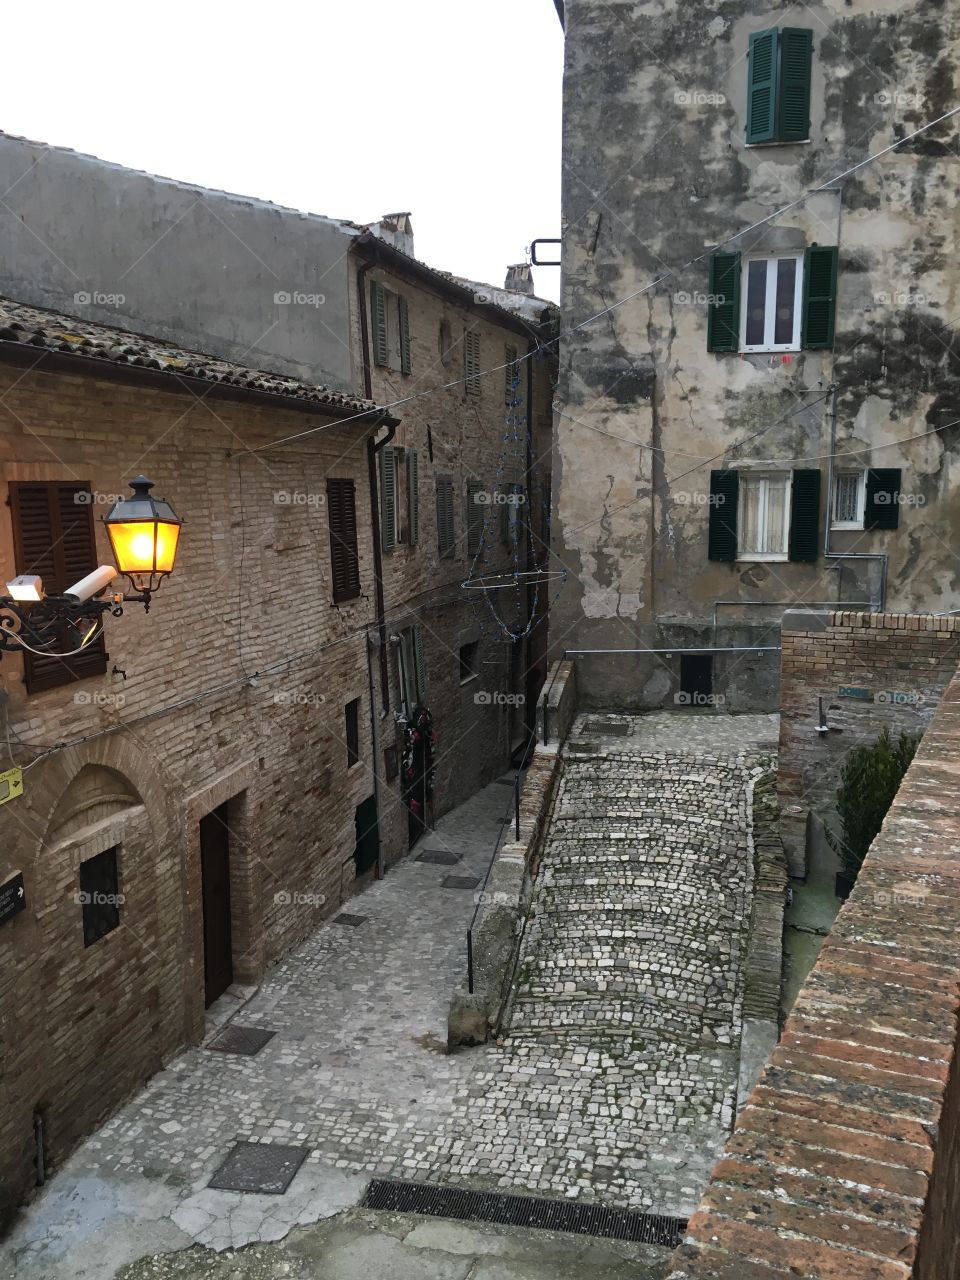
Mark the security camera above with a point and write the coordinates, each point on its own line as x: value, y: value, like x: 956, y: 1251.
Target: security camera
x: 92, y: 584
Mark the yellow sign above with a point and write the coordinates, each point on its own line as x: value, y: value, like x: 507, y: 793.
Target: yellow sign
x: 11, y: 785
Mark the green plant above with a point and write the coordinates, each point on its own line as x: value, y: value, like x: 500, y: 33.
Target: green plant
x: 868, y: 782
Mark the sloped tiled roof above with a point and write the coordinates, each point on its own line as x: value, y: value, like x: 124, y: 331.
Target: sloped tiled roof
x: 34, y: 327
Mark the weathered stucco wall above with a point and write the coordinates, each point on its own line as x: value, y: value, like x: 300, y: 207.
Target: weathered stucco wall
x: 656, y: 173
x: 200, y: 268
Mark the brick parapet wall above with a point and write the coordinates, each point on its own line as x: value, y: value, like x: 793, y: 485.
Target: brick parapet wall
x: 845, y: 1162
x: 899, y: 664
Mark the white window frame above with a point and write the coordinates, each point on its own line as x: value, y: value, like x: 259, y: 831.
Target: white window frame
x: 764, y: 477
x: 861, y: 501
x: 770, y: 302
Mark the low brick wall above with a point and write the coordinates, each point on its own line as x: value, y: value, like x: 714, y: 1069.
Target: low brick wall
x: 845, y: 1163
x: 872, y: 670
x: 473, y: 1015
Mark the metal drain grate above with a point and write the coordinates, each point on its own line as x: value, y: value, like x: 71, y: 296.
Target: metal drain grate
x: 460, y: 882
x: 524, y: 1211
x: 246, y: 1040
x: 346, y: 918
x: 263, y: 1167
x: 443, y: 856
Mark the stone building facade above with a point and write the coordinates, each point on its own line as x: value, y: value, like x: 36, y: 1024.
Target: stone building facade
x: 758, y: 401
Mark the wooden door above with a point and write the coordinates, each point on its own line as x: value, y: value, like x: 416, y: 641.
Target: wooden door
x: 215, y: 870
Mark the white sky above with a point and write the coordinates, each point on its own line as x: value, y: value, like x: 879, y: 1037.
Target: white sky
x: 447, y: 108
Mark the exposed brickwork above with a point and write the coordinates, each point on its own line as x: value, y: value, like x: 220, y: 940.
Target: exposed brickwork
x: 845, y: 1163
x: 251, y: 598
x: 901, y: 662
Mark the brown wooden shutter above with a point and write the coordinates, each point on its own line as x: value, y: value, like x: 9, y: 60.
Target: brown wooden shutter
x: 53, y: 536
x: 344, y: 555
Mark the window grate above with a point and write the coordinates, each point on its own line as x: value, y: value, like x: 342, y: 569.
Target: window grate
x: 524, y: 1211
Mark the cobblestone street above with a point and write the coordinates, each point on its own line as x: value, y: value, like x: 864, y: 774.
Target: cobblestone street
x: 617, y: 1080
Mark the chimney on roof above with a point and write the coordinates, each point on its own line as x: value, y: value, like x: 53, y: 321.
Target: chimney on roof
x: 520, y: 279
x: 396, y: 229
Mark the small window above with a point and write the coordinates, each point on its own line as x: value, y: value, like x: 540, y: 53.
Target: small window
x: 772, y: 304
x: 763, y: 531
x: 471, y: 363
x: 848, y: 500
x: 352, y: 723
x: 469, y: 661
x: 99, y: 896
x: 412, y: 667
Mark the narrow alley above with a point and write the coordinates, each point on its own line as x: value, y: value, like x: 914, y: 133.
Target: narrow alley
x: 616, y: 1081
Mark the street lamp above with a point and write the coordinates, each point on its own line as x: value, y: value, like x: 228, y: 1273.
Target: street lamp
x: 144, y: 533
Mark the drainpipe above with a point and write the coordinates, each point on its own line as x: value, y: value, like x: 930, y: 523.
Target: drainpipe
x: 375, y: 747
x: 847, y: 555
x: 373, y: 448
x: 531, y: 725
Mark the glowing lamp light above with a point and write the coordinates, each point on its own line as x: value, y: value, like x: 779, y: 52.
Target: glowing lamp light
x: 144, y: 533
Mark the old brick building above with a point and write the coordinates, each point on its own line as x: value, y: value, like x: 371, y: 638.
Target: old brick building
x: 229, y: 699
x: 225, y: 771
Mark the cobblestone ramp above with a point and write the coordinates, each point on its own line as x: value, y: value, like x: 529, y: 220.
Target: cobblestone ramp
x: 618, y: 1077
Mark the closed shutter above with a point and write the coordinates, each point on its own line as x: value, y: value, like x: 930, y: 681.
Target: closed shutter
x: 344, y: 555
x: 805, y: 515
x: 388, y: 498
x: 471, y: 363
x: 723, y: 316
x: 475, y: 517
x: 882, y: 504
x: 724, y: 492
x: 819, y: 296
x: 406, y: 363
x: 446, y: 536
x: 793, y: 89
x: 761, y: 86
x: 53, y: 536
x: 511, y: 373
x: 378, y: 321
x: 419, y: 665
x: 413, y: 495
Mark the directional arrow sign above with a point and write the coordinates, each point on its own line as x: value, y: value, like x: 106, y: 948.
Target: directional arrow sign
x: 12, y: 897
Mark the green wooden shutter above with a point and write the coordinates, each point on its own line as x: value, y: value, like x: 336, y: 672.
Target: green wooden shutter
x: 509, y: 375
x: 344, y: 551
x: 723, y: 316
x: 446, y: 537
x: 378, y: 320
x: 475, y: 517
x: 882, y: 505
x: 793, y: 87
x: 724, y: 492
x: 762, y: 87
x: 404, y: 313
x: 471, y: 363
x: 413, y: 495
x: 819, y: 296
x: 388, y: 498
x: 805, y: 515
x: 419, y: 665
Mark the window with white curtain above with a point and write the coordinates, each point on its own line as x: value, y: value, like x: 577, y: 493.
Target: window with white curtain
x: 763, y: 531
x: 848, y: 500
